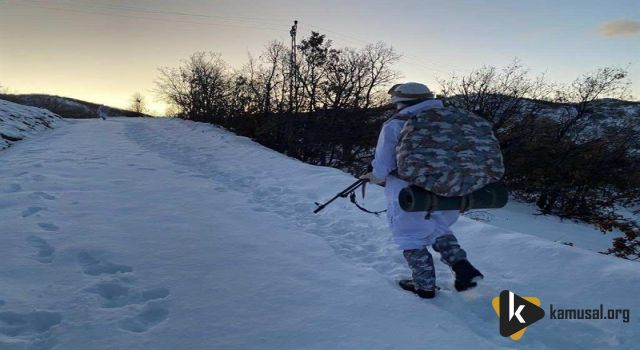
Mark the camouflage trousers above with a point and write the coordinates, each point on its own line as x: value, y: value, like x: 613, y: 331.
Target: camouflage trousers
x: 421, y: 262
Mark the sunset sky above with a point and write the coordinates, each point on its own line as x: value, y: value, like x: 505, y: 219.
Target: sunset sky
x: 105, y: 50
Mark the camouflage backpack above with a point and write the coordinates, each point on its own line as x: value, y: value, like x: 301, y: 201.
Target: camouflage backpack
x: 448, y: 151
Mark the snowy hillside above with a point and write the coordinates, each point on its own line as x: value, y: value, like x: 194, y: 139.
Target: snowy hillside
x: 68, y: 107
x: 18, y: 121
x: 168, y: 234
x: 602, y: 113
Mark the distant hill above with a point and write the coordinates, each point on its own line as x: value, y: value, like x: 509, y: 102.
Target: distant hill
x: 600, y: 113
x: 69, y: 107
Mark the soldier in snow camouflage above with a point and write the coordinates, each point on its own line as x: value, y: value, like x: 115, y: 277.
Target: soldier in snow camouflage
x: 448, y: 151
x: 401, y: 151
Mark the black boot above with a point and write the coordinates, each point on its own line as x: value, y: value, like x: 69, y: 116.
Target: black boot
x: 467, y: 276
x: 408, y: 285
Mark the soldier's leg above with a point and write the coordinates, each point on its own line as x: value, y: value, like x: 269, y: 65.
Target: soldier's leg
x: 449, y: 248
x: 453, y: 255
x: 423, y: 272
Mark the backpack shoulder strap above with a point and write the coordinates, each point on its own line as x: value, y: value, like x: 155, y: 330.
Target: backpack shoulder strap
x: 404, y: 117
x: 398, y: 116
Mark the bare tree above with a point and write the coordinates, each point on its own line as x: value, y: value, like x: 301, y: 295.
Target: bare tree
x: 266, y: 77
x: 502, y: 96
x: 341, y: 68
x: 577, y: 146
x: 586, y: 95
x: 378, y: 59
x: 198, y: 88
x: 138, y: 104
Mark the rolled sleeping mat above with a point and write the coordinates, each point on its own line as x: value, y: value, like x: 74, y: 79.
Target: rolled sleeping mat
x: 492, y: 196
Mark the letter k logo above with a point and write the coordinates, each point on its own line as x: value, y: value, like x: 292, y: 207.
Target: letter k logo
x: 522, y: 312
x: 511, y: 306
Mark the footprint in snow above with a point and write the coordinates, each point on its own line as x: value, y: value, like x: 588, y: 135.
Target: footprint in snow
x: 32, y: 210
x: 48, y: 227
x: 39, y: 178
x: 115, y: 294
x: 94, y: 266
x: 15, y: 324
x: 12, y: 188
x: 42, y: 195
x: 45, y: 250
x: 150, y: 316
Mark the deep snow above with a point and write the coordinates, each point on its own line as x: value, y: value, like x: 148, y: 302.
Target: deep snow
x: 167, y: 234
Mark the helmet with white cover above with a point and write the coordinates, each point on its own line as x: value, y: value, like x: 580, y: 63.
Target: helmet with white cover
x: 410, y: 91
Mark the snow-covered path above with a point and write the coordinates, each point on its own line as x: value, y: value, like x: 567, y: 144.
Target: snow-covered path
x: 166, y: 234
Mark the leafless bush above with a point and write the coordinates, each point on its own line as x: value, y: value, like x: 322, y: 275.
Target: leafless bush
x: 502, y: 96
x: 198, y: 88
x: 138, y: 104
x: 566, y: 148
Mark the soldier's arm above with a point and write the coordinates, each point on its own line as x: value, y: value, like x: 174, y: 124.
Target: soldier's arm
x: 384, y: 161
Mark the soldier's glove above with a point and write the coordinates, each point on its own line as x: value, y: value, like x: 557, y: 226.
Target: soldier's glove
x: 369, y: 177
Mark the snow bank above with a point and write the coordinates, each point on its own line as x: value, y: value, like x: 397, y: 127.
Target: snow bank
x: 18, y: 121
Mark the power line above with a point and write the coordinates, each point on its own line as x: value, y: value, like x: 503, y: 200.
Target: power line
x: 416, y: 60
x: 178, y: 13
x: 228, y: 21
x: 39, y: 4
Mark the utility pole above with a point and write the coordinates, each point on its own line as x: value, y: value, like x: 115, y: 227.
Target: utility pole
x: 293, y: 67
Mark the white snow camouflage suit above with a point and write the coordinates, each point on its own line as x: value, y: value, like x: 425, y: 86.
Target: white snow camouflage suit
x: 410, y: 229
